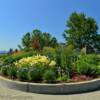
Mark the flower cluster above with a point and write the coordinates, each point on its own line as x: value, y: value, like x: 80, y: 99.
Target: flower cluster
x: 31, y: 61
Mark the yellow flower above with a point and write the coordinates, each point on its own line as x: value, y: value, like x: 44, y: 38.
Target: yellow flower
x: 52, y: 63
x: 30, y: 61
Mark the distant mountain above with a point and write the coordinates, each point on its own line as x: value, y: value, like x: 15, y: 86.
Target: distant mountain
x: 3, y: 52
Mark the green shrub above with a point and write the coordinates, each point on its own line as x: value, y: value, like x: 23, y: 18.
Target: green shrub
x: 11, y: 71
x: 2, y: 57
x: 49, y: 76
x: 63, y: 78
x: 25, y: 54
x: 98, y: 71
x: 3, y: 70
x: 22, y: 74
x: 65, y: 57
x: 35, y: 74
x: 87, y: 65
x: 8, y: 60
x: 49, y: 52
x: 0, y: 66
x: 12, y: 58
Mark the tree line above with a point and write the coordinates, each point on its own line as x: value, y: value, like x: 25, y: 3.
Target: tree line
x: 81, y: 32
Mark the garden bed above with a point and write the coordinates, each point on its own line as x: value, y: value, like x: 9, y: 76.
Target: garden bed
x: 43, y: 74
x: 60, y: 88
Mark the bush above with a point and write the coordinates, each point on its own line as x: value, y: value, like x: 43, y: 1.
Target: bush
x: 2, y: 57
x: 87, y: 65
x: 35, y: 61
x: 11, y: 71
x: 1, y: 65
x: 98, y: 71
x: 22, y: 74
x: 49, y: 76
x: 49, y: 52
x: 3, y: 70
x: 15, y: 57
x: 8, y: 60
x: 63, y: 78
x: 23, y: 54
x: 35, y: 74
x: 65, y: 57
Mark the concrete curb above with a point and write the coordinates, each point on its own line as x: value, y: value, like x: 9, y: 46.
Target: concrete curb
x: 23, y: 86
x: 63, y: 88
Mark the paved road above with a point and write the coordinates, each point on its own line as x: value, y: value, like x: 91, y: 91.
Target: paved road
x: 8, y: 94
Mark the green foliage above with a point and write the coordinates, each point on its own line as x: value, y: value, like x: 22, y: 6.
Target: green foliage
x: 48, y: 40
x: 2, y: 57
x: 98, y: 71
x: 65, y: 57
x: 0, y: 67
x: 49, y: 52
x: 49, y: 76
x: 20, y: 47
x: 37, y: 40
x: 3, y: 70
x: 35, y: 74
x: 87, y: 65
x: 26, y: 40
x: 13, y: 58
x: 82, y: 32
x: 22, y: 74
x: 63, y: 78
x: 29, y: 49
x: 8, y: 60
x: 11, y: 71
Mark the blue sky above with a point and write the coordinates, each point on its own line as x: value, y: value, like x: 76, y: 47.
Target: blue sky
x: 20, y: 16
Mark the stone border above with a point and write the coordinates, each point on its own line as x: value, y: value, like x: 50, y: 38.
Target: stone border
x: 63, y: 88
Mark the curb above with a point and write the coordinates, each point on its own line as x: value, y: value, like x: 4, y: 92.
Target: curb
x: 42, y: 88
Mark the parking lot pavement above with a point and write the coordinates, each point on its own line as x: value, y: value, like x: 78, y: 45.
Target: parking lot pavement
x: 9, y: 94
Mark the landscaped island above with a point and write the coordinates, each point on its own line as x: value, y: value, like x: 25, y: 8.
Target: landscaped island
x: 41, y: 59
x: 42, y: 69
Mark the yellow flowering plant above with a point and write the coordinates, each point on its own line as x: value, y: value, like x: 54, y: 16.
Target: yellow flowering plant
x: 31, y: 61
